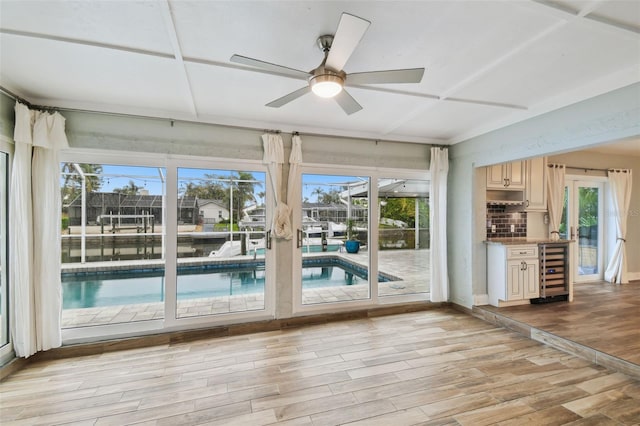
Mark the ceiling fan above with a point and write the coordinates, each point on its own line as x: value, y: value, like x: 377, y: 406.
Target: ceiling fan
x: 329, y: 78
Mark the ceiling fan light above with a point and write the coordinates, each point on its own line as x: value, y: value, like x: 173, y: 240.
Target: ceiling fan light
x: 326, y: 85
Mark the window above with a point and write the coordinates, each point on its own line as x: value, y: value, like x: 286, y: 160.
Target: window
x: 112, y: 243
x: 4, y: 249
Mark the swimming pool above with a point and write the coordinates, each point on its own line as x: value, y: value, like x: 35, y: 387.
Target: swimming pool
x: 114, y: 288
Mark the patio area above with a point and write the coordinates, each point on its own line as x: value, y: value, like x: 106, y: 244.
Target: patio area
x: 412, y: 267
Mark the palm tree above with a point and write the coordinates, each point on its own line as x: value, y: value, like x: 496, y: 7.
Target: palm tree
x: 72, y: 183
x: 211, y: 188
x: 243, y: 185
x: 219, y: 187
x: 317, y: 192
x: 130, y: 189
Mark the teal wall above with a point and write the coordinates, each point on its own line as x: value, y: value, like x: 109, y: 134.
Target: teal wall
x: 7, y: 116
x: 608, y: 117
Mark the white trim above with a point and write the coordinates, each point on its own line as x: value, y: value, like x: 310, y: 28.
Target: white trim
x: 71, y: 336
x: 403, y: 298
x: 107, y: 157
x: 633, y: 276
x: 150, y: 159
x: 333, y: 307
x: 171, y: 245
x: 480, y: 299
x: 91, y: 334
x: 6, y: 350
x: 382, y: 172
x: 569, y: 177
x: 6, y: 353
x: 6, y: 143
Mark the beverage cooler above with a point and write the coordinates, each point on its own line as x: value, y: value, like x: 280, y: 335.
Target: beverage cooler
x: 554, y: 272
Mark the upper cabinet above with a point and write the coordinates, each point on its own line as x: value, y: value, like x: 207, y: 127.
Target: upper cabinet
x: 536, y: 188
x: 507, y: 176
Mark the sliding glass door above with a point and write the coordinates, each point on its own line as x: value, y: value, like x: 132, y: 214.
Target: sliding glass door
x: 583, y: 223
x: 403, y: 236
x: 4, y: 250
x: 221, y: 248
x: 333, y: 238
x: 362, y: 239
x: 167, y: 244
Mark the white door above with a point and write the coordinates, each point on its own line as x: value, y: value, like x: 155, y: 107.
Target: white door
x: 583, y: 222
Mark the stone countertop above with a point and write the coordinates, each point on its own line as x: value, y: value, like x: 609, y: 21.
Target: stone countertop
x: 524, y: 240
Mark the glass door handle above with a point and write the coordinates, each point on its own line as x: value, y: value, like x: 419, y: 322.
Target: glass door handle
x: 299, y: 238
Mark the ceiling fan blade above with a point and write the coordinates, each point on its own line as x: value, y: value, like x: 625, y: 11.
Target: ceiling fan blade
x: 348, y: 35
x: 288, y: 98
x: 412, y: 75
x: 238, y: 59
x: 347, y: 103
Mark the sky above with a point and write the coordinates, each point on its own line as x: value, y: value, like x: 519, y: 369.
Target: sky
x: 149, y: 178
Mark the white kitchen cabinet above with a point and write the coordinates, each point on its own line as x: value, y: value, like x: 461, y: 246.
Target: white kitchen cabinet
x: 512, y: 274
x: 507, y: 176
x: 536, y: 185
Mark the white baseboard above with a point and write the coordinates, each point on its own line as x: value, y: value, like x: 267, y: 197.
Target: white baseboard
x: 634, y: 276
x: 480, y: 299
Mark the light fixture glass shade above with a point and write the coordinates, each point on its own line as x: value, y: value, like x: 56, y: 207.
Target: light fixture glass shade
x: 326, y: 85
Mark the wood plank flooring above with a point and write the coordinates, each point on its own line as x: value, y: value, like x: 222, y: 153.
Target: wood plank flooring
x: 436, y: 367
x: 603, y: 316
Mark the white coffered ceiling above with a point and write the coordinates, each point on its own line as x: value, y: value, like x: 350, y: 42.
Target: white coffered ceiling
x: 488, y: 63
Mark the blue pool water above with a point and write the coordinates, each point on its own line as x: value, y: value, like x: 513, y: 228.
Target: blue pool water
x: 86, y: 290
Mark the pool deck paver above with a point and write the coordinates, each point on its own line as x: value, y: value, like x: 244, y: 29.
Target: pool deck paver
x: 412, y: 266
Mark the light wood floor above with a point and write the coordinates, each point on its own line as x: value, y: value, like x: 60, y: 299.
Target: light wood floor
x: 603, y: 316
x: 437, y: 367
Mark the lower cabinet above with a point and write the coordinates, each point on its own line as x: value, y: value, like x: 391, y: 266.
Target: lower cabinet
x: 522, y: 279
x: 512, y: 274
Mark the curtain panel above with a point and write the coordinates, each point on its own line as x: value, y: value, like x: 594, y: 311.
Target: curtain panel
x: 555, y: 199
x: 280, y: 220
x: 439, y: 169
x: 293, y: 183
x: 620, y: 181
x: 34, y: 231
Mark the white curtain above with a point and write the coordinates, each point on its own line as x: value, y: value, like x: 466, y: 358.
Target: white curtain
x: 439, y: 168
x: 34, y: 231
x: 274, y: 158
x: 555, y: 198
x: 295, y: 159
x: 620, y: 181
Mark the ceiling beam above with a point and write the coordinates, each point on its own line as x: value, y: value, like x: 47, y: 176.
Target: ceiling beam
x: 476, y: 75
x: 588, y: 13
x: 167, y: 17
x: 182, y: 60
x: 86, y: 43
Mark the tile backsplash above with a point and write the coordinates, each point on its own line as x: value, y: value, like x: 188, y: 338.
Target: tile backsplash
x: 502, y: 220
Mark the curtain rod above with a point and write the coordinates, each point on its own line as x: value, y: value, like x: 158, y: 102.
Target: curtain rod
x: 590, y: 169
